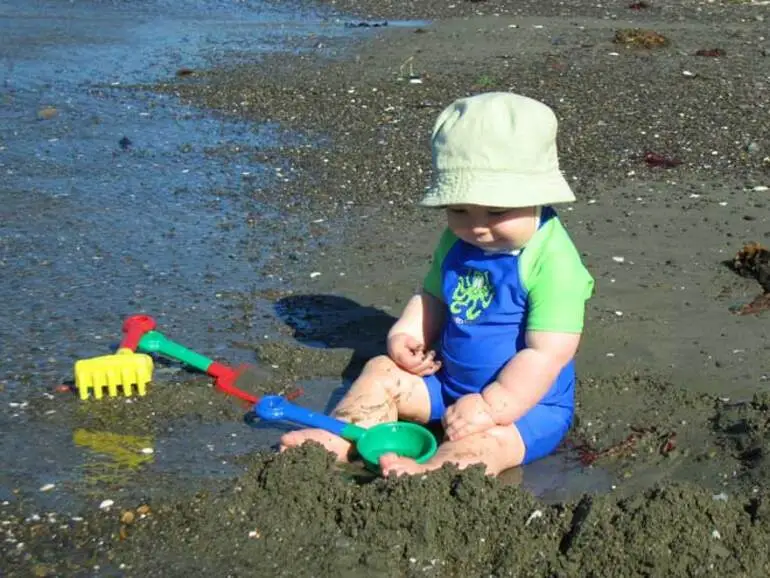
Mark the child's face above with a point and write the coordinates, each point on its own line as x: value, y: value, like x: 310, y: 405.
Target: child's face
x: 493, y: 228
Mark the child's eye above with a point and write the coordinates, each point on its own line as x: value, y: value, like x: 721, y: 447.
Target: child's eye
x: 456, y: 211
x: 497, y: 212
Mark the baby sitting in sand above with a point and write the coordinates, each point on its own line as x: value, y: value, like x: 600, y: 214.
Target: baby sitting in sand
x: 487, y: 347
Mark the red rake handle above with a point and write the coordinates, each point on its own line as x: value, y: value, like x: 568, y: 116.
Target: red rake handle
x: 225, y: 378
x: 134, y: 327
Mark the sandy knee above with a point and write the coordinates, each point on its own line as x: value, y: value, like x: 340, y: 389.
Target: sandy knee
x: 384, y: 371
x: 380, y: 364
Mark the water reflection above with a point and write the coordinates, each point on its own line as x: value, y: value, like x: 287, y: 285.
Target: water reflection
x: 125, y: 454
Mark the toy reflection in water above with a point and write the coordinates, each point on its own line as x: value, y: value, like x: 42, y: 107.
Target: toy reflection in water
x: 125, y: 453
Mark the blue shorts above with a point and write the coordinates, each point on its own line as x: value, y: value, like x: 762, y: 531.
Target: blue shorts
x: 542, y: 428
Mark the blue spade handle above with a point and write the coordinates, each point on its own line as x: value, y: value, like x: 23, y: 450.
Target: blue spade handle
x: 276, y: 408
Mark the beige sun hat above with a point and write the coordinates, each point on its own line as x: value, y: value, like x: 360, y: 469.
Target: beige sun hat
x: 496, y: 149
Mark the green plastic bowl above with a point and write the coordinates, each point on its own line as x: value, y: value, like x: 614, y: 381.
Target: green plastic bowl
x: 405, y: 439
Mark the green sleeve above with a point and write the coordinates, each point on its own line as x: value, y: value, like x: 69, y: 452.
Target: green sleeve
x: 557, y: 283
x: 432, y: 281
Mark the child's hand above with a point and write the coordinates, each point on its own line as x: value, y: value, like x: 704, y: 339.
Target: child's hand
x: 471, y: 414
x: 410, y: 355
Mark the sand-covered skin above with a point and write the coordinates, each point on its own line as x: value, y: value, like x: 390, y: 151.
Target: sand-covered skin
x: 671, y: 398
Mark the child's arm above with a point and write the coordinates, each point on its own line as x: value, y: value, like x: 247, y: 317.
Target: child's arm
x: 424, y: 314
x: 558, y: 286
x: 419, y: 327
x: 422, y: 319
x: 412, y: 335
x: 527, y: 377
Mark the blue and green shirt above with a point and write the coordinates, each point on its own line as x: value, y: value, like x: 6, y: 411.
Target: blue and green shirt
x: 493, y: 299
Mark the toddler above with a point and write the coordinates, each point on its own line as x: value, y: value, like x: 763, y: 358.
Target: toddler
x: 487, y: 347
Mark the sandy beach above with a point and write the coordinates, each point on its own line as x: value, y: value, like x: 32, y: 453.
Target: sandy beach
x: 664, y: 113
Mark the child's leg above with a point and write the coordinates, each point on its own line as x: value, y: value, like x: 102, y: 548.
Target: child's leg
x: 498, y: 448
x: 383, y: 392
x: 534, y: 436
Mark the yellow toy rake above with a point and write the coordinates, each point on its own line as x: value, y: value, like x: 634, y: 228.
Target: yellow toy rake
x: 123, y: 369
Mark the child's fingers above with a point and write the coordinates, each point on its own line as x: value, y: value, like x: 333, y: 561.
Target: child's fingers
x: 428, y: 369
x: 427, y: 357
x: 408, y: 360
x: 414, y: 345
x: 453, y: 424
x: 455, y: 428
x: 447, y: 421
x: 458, y: 425
x: 463, y: 430
x: 456, y: 434
x: 428, y: 366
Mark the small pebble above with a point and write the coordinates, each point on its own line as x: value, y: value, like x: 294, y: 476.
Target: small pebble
x: 533, y: 516
x: 47, y: 487
x: 143, y: 510
x: 619, y: 259
x: 47, y: 113
x: 106, y: 504
x: 148, y: 451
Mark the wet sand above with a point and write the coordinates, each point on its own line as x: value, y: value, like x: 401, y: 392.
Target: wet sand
x: 672, y: 402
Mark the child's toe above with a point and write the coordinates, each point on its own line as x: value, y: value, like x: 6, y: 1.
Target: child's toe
x: 387, y: 460
x: 393, y: 464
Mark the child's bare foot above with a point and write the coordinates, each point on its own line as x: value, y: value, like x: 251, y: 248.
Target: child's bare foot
x: 335, y: 444
x: 393, y: 464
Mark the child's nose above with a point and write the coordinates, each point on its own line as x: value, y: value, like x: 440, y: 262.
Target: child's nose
x: 479, y: 228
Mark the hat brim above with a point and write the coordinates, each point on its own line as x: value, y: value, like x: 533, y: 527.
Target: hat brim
x: 497, y: 189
